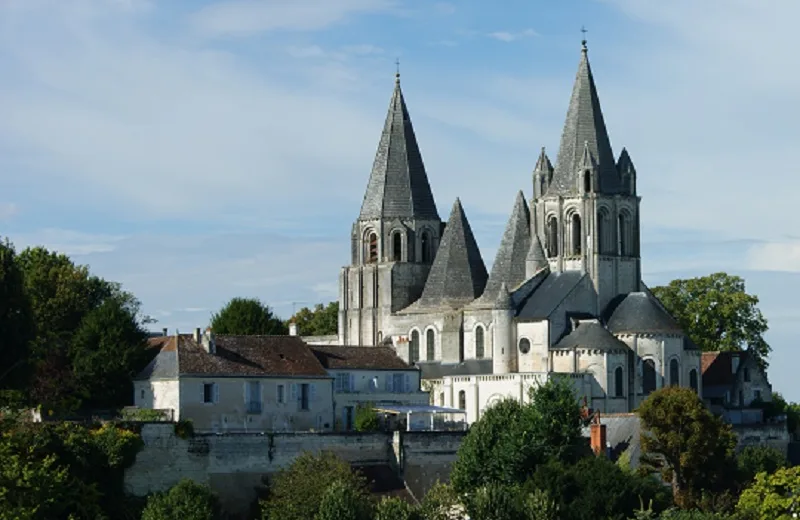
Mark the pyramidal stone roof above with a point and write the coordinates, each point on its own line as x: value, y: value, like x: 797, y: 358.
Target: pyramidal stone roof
x: 509, y: 264
x: 642, y: 313
x: 584, y: 139
x: 458, y: 274
x: 398, y: 185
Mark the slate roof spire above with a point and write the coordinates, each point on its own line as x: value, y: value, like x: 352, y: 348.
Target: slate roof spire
x: 398, y: 185
x: 509, y: 264
x: 458, y: 274
x: 584, y: 131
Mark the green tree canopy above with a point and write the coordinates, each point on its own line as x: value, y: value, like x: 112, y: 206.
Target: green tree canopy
x: 394, y: 508
x: 753, y: 460
x: 772, y: 496
x: 507, y: 443
x: 296, y: 492
x: 16, y: 323
x: 691, y: 447
x: 186, y: 500
x: 247, y: 317
x: 321, y: 321
x: 344, y: 500
x: 366, y: 418
x: 717, y: 313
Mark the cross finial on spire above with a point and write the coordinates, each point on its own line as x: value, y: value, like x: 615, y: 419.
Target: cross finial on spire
x: 397, y: 70
x: 583, y: 41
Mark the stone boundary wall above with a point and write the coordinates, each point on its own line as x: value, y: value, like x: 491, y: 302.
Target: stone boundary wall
x: 233, y: 464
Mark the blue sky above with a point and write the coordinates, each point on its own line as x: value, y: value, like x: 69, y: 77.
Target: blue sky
x: 196, y: 151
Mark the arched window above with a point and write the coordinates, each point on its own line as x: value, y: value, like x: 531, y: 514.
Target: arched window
x: 479, y: 342
x: 575, y: 232
x: 524, y: 345
x: 693, y: 379
x: 648, y: 376
x: 674, y: 373
x: 397, y: 246
x: 380, y: 337
x: 372, y: 248
x: 623, y: 235
x: 619, y: 389
x: 426, y: 247
x: 587, y: 182
x: 441, y: 399
x: 430, y: 339
x: 603, y: 231
x: 413, y: 347
x: 552, y: 236
x: 462, y: 400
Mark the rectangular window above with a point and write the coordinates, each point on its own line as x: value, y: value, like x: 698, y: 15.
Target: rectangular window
x: 281, y: 394
x: 253, y: 397
x: 343, y: 382
x: 304, y: 396
x: 398, y: 383
x: 209, y: 392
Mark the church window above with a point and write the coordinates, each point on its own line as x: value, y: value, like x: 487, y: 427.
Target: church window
x: 462, y: 400
x: 619, y: 390
x: 587, y: 182
x: 575, y: 231
x: 380, y: 337
x: 426, y: 248
x: 441, y: 398
x: 479, y: 342
x: 372, y: 248
x: 693, y: 379
x: 648, y: 376
x: 674, y: 373
x: 430, y: 339
x: 397, y: 246
x: 623, y: 235
x: 603, y: 231
x: 413, y: 347
x: 552, y: 236
x: 524, y: 345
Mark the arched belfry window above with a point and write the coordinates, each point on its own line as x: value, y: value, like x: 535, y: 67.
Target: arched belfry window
x: 587, y: 181
x: 462, y: 400
x: 693, y: 379
x: 372, y: 248
x: 430, y: 339
x: 674, y: 373
x: 648, y: 376
x: 397, y: 246
x: 413, y: 347
x: 479, y: 342
x: 623, y: 234
x: 552, y: 236
x: 604, y: 231
x: 575, y: 233
x: 426, y: 247
x: 619, y: 389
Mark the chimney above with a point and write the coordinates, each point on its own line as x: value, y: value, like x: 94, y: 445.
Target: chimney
x: 598, y: 438
x: 208, y: 341
x: 164, y: 332
x: 197, y: 335
x: 293, y: 329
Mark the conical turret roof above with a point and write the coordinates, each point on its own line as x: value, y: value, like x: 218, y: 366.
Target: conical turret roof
x: 398, y: 185
x: 509, y: 264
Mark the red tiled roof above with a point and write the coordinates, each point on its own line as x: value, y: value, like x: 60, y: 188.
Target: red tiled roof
x: 364, y: 358
x: 249, y: 356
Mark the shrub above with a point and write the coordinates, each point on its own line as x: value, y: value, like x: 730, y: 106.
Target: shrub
x: 186, y: 500
x: 344, y: 501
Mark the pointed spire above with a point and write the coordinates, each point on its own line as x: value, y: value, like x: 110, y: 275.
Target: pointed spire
x: 536, y: 260
x: 584, y: 128
x: 509, y: 263
x: 543, y: 164
x: 625, y: 164
x: 587, y: 159
x: 458, y: 274
x: 398, y: 185
x: 503, y: 299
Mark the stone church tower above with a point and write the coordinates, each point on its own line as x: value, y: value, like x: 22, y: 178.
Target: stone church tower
x: 585, y: 211
x: 395, y: 238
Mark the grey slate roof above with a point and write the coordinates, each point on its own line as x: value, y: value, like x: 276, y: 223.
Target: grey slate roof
x: 548, y: 295
x: 623, y: 433
x: 536, y: 256
x: 543, y: 165
x: 640, y: 312
x: 398, y: 185
x: 165, y: 364
x: 624, y: 163
x: 468, y: 367
x: 591, y: 335
x: 584, y: 133
x: 458, y: 274
x: 509, y: 263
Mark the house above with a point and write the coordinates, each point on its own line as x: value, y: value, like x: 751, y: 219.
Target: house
x: 238, y: 383
x: 368, y: 375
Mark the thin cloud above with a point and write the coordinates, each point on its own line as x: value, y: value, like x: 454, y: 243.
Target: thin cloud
x: 508, y: 37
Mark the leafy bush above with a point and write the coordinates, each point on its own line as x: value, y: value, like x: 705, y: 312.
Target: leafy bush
x: 393, y: 508
x: 344, y: 501
x: 753, y: 460
x: 366, y: 419
x: 184, y: 429
x: 186, y: 500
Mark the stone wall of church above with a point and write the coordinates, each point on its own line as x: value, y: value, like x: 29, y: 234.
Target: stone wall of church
x: 233, y: 464
x: 538, y: 358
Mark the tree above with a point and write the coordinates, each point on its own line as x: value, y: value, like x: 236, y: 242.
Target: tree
x: 753, y: 460
x: 441, y: 502
x: 247, y: 317
x: 321, y: 321
x: 778, y: 406
x: 16, y: 324
x: 393, y: 508
x: 716, y: 312
x: 344, y: 501
x: 186, y: 500
x: 691, y: 447
x: 773, y: 496
x: 511, y: 439
x: 366, y: 419
x: 296, y: 492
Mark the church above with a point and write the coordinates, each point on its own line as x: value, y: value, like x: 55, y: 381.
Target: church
x: 564, y: 296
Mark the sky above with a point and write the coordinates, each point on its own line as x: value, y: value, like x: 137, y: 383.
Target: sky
x: 196, y: 151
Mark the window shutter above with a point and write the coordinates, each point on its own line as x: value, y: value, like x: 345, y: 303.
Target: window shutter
x: 202, y: 392
x: 295, y: 396
x: 312, y: 392
x: 389, y: 382
x: 352, y: 383
x: 216, y: 393
x: 407, y: 383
